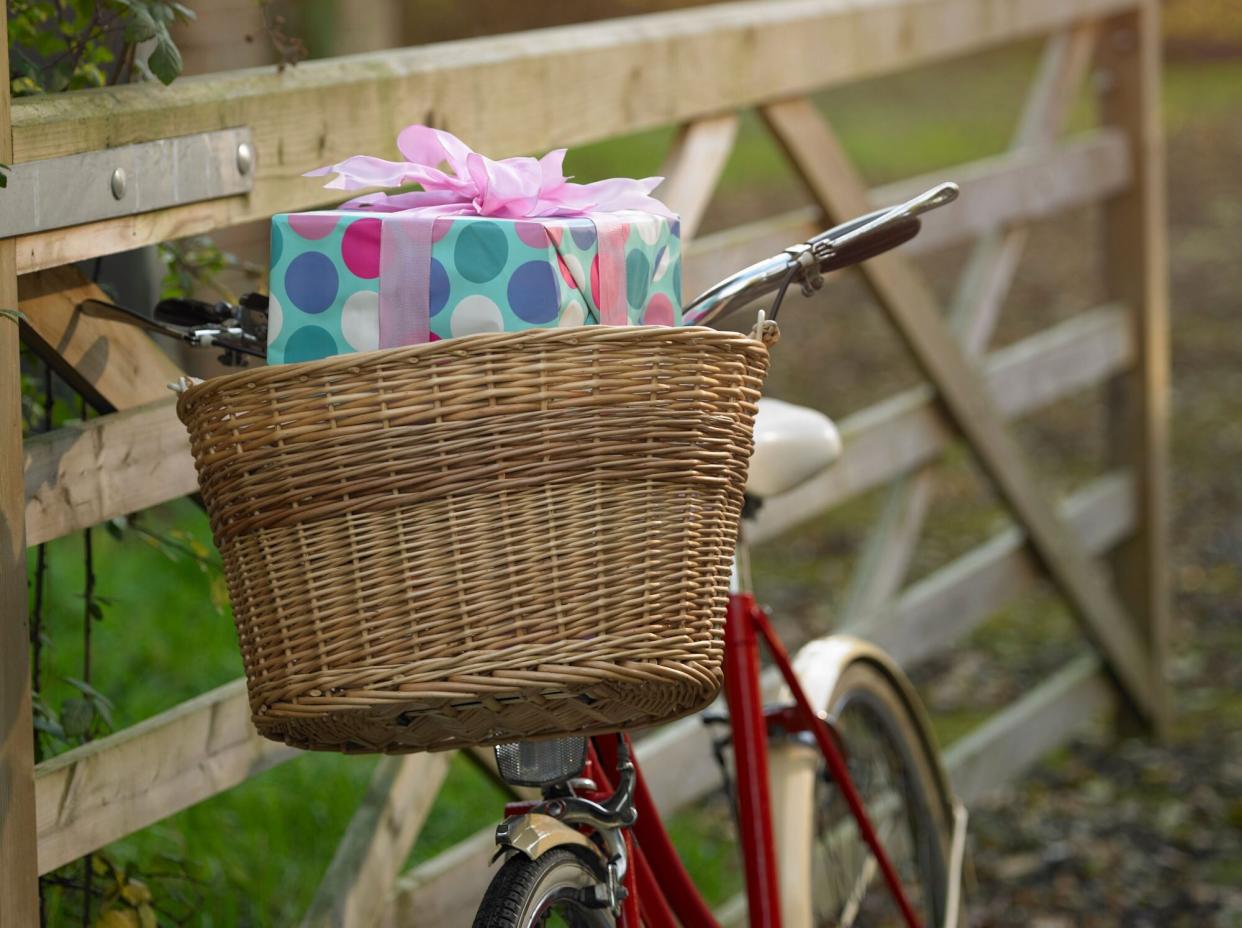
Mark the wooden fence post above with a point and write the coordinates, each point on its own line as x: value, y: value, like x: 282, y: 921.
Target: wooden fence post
x: 19, y: 881
x: 1136, y: 269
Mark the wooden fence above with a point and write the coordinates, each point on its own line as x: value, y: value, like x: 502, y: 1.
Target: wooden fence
x: 696, y: 68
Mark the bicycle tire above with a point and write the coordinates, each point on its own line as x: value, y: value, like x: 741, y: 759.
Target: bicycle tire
x: 523, y: 894
x: 828, y: 877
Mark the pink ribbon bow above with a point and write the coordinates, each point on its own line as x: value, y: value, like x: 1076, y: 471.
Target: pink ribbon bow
x: 512, y: 188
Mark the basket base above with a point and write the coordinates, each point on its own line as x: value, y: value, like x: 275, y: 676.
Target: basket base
x: 405, y: 726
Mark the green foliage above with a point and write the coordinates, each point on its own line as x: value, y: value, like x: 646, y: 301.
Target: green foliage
x: 59, y: 45
x: 195, y: 263
x: 127, y: 900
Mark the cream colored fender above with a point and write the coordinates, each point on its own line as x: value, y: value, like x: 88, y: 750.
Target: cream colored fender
x: 534, y: 834
x: 792, y: 765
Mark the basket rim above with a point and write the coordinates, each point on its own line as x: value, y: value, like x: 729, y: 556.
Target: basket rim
x: 358, y: 362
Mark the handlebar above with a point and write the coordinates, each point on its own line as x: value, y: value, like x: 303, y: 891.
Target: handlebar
x: 839, y: 247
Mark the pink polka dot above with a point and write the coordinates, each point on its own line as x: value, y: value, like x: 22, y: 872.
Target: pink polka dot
x: 554, y: 234
x: 312, y: 225
x: 532, y: 234
x: 360, y: 248
x: 569, y: 278
x: 433, y: 337
x: 659, y: 311
x: 440, y: 228
x: 595, y: 280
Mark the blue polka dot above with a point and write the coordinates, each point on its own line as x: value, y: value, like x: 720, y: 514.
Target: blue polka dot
x: 533, y: 294
x: 310, y: 343
x: 637, y: 279
x: 278, y: 244
x: 311, y: 282
x: 438, y: 296
x: 583, y: 234
x: 675, y: 228
x: 481, y: 252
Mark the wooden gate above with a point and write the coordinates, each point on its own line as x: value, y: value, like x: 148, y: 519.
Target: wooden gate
x: 697, y: 68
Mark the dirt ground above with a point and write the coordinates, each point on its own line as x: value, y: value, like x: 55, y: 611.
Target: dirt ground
x: 1129, y: 832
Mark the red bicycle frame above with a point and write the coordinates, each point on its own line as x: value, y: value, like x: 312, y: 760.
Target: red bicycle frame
x: 661, y: 893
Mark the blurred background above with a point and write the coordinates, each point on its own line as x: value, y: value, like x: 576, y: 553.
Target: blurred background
x: 1107, y: 831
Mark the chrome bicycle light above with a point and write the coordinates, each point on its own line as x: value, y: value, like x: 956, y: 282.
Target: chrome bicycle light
x: 541, y: 763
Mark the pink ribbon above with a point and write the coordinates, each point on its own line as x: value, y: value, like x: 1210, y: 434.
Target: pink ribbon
x: 512, y: 188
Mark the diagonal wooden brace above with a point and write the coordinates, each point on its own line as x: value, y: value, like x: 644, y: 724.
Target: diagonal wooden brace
x: 693, y: 167
x: 113, y: 365
x: 819, y: 158
x: 973, y: 312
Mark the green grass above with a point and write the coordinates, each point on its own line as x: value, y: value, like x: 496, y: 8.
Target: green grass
x: 261, y: 848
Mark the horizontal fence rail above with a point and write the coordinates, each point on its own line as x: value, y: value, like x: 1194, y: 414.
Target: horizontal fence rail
x: 694, y: 69
x: 641, y: 73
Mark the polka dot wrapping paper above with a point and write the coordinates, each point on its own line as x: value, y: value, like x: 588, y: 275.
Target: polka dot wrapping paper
x: 342, y: 282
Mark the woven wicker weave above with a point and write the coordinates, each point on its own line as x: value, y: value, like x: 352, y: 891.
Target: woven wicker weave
x: 480, y: 540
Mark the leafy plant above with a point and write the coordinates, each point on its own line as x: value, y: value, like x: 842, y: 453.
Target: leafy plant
x: 83, y: 716
x: 198, y: 262
x: 179, y: 544
x: 126, y: 900
x: 73, y: 44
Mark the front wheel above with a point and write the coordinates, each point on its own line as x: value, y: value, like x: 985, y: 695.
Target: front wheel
x: 829, y: 876
x: 556, y: 889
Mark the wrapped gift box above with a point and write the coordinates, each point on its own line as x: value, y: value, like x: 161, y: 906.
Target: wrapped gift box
x: 356, y: 279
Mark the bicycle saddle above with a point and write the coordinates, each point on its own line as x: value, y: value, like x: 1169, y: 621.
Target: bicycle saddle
x: 792, y: 444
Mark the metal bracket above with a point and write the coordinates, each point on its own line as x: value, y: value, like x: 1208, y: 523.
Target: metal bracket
x: 95, y: 185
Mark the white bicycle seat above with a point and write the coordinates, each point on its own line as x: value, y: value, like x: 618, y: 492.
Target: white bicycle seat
x: 792, y: 444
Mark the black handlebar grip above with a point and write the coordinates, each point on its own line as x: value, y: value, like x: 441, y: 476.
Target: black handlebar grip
x: 883, y: 239
x: 187, y: 312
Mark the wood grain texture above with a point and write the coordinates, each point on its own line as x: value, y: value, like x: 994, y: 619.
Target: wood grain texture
x: 1136, y: 268
x: 104, y: 790
x: 115, y: 366
x: 629, y: 74
x: 354, y: 891
x: 911, y: 307
x: 87, y: 472
x: 693, y: 166
x: 19, y: 886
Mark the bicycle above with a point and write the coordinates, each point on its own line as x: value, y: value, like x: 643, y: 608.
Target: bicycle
x: 839, y: 780
x: 847, y: 739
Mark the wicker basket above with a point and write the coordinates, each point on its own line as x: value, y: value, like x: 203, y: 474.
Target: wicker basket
x: 480, y: 540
